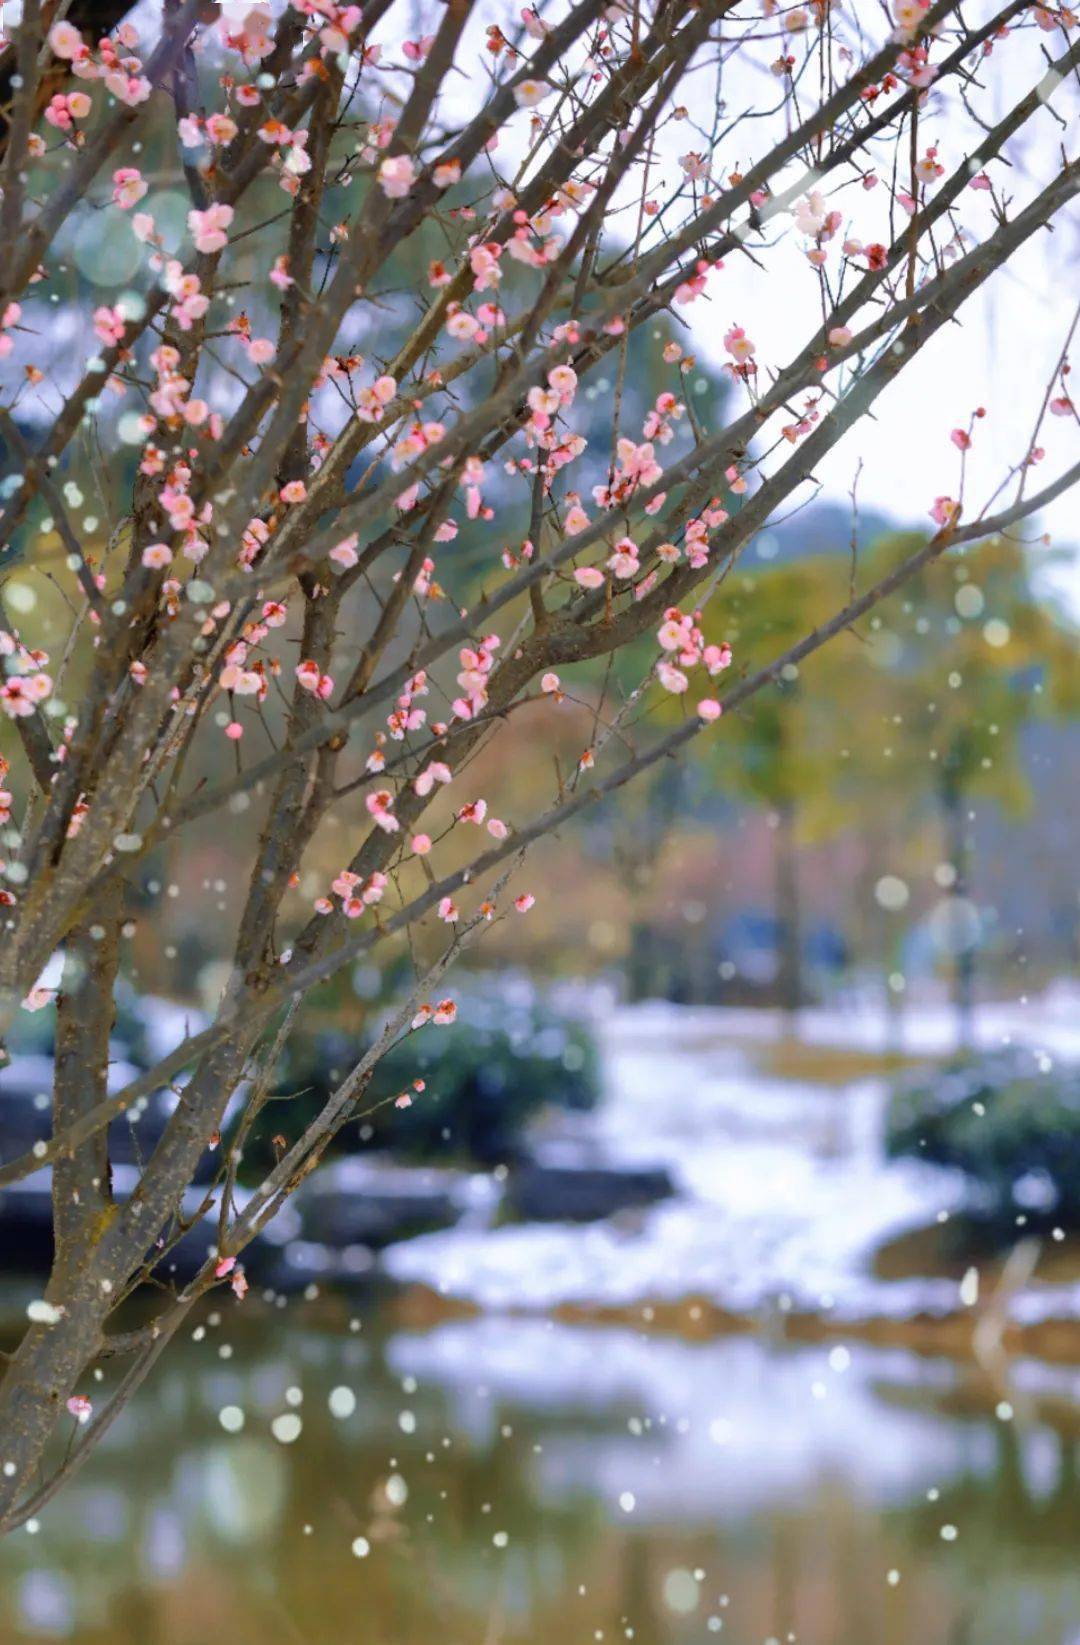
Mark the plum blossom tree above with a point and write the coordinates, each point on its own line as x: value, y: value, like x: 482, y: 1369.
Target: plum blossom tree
x: 401, y: 262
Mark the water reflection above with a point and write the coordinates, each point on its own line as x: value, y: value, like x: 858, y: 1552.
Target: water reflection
x: 512, y: 1480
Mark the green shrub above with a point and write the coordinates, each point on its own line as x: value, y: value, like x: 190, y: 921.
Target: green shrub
x: 1010, y: 1121
x: 485, y: 1076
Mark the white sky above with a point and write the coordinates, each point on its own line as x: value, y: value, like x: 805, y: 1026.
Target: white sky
x: 999, y: 356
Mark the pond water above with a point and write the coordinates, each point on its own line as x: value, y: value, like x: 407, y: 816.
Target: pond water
x: 326, y: 1471
x: 489, y: 1479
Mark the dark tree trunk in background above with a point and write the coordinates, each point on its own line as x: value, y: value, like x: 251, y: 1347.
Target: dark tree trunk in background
x: 789, y: 982
x: 878, y: 937
x: 642, y: 969
x: 892, y: 949
x: 962, y: 957
x: 652, y: 971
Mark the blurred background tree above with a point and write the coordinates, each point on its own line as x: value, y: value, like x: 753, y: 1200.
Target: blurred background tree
x: 873, y: 763
x: 967, y: 658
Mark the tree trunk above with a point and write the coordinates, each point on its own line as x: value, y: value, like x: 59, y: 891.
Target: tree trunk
x: 41, y: 1376
x: 789, y: 983
x: 641, y: 963
x: 962, y: 958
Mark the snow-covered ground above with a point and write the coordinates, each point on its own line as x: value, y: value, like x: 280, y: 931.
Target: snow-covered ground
x: 1046, y: 1022
x: 783, y: 1193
